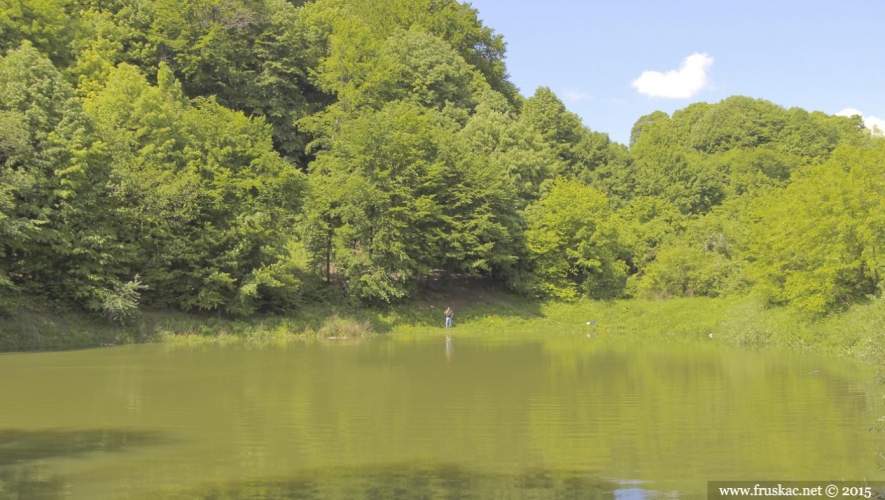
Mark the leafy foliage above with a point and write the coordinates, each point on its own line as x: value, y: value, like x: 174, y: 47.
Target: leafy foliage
x: 203, y: 198
x: 574, y: 245
x: 233, y: 155
x: 394, y: 197
x: 121, y: 304
x: 819, y: 242
x: 53, y: 213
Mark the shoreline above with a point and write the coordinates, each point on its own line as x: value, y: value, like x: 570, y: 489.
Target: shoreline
x: 740, y: 321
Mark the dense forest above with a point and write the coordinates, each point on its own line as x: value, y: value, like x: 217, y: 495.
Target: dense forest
x: 247, y: 156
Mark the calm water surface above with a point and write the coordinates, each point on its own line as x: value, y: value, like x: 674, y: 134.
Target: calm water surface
x: 547, y: 416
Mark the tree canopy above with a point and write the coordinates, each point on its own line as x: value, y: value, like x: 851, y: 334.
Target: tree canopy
x: 236, y: 155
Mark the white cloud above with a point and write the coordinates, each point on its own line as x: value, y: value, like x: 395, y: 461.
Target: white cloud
x: 877, y: 125
x: 849, y: 112
x: 874, y: 124
x: 683, y: 83
x: 576, y: 95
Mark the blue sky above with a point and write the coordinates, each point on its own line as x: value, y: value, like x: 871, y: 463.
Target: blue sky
x: 817, y: 55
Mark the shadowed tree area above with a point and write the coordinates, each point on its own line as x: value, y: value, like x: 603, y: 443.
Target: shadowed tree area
x: 411, y: 481
x: 253, y: 156
x: 24, y: 476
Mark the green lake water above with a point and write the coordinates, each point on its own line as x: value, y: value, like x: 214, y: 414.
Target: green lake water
x: 412, y: 417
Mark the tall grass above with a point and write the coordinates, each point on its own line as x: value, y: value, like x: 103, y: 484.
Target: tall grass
x: 859, y: 332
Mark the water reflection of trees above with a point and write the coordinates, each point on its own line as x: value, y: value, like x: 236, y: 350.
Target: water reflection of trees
x: 24, y: 473
x: 403, y: 481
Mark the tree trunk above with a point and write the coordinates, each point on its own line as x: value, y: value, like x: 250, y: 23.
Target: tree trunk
x: 329, y: 257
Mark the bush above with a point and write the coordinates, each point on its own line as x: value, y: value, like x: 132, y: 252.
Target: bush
x: 121, y: 305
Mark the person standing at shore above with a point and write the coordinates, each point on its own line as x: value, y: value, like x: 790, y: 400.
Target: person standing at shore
x: 449, y: 315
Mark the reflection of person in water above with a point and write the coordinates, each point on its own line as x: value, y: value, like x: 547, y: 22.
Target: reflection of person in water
x: 449, y: 348
x: 449, y: 315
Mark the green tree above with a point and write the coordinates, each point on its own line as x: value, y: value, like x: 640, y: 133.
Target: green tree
x: 376, y: 208
x: 396, y: 195
x: 684, y: 270
x: 456, y: 23
x: 693, y: 185
x: 648, y: 129
x: 752, y: 171
x: 495, y: 134
x: 58, y: 237
x: 737, y: 122
x: 252, y: 55
x: 574, y: 245
x: 110, y: 32
x: 580, y: 150
x: 204, y: 198
x: 49, y: 26
x: 819, y: 242
x: 644, y: 225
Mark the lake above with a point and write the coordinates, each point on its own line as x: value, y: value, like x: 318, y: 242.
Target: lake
x: 417, y: 417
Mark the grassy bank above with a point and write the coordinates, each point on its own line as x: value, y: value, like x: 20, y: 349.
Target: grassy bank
x: 859, y: 332
x: 743, y: 321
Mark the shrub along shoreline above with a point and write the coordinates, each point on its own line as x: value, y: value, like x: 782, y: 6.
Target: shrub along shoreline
x: 858, y: 332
